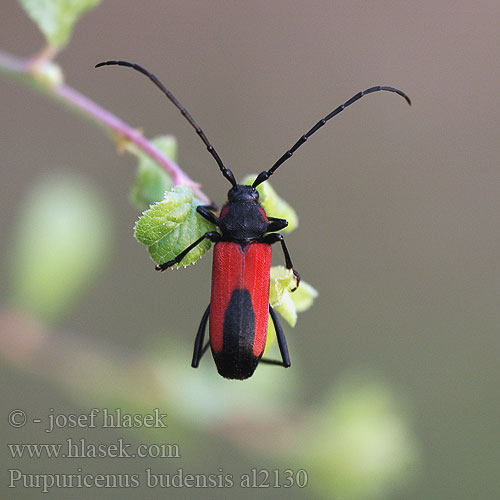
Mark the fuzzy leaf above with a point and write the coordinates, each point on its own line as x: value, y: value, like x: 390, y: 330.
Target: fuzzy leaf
x: 273, y: 204
x: 271, y: 336
x: 56, y: 18
x: 171, y: 225
x: 283, y: 300
x: 304, y: 296
x: 151, y: 180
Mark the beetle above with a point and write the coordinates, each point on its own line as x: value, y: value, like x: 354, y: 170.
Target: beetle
x: 239, y: 307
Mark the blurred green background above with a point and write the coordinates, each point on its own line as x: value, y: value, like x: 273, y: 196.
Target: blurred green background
x: 393, y: 392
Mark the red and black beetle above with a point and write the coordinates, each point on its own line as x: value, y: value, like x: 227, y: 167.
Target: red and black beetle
x: 239, y: 305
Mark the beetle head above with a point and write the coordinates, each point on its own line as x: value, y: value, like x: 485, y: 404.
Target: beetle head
x: 241, y: 192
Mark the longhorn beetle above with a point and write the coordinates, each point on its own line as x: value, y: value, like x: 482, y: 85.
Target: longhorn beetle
x: 239, y: 304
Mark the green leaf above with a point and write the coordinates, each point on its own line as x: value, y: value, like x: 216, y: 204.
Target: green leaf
x: 273, y: 204
x: 60, y: 242
x: 271, y: 336
x: 304, y: 296
x: 282, y: 281
x: 151, y: 180
x: 56, y: 18
x: 171, y: 225
x: 283, y: 300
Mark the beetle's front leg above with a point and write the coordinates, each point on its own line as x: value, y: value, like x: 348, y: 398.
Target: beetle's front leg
x: 211, y: 235
x: 276, y: 224
x: 275, y: 237
x: 206, y: 211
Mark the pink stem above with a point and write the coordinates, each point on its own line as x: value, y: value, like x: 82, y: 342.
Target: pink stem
x: 89, y: 108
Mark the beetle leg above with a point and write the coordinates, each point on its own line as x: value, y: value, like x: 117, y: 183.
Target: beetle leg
x: 213, y: 206
x: 276, y: 224
x: 206, y: 211
x: 198, y: 351
x: 275, y: 237
x: 280, y: 335
x: 211, y: 235
x: 205, y: 348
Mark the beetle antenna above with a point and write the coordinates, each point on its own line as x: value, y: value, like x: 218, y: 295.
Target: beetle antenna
x: 263, y: 176
x: 225, y: 171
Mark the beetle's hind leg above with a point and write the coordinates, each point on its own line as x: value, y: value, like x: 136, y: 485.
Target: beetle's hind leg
x: 198, y: 351
x: 280, y: 335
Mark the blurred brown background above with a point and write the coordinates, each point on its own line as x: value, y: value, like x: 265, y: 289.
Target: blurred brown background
x: 398, y: 206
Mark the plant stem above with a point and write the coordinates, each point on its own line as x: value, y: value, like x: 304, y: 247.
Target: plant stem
x: 29, y: 72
